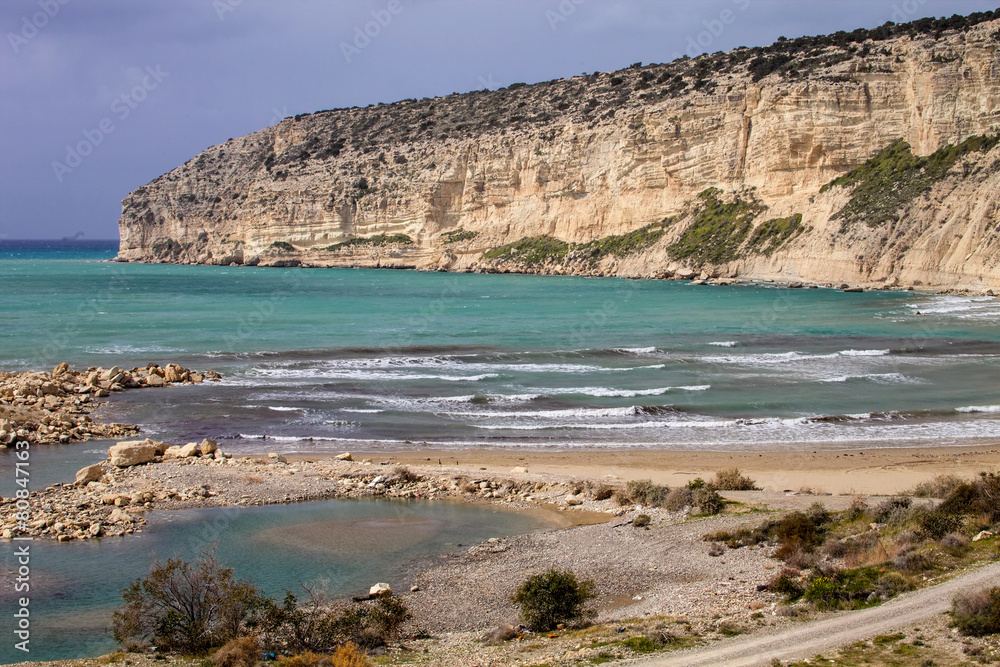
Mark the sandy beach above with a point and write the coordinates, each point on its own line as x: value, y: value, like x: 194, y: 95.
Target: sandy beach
x: 863, y: 470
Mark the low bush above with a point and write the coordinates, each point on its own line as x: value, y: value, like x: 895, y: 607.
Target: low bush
x: 939, y: 487
x: 977, y: 614
x: 892, y: 510
x: 731, y: 479
x: 186, y: 607
x: 553, y: 597
x: 797, y: 532
x: 643, y: 492
x: 239, y: 652
x: 603, y: 492
x: 707, y: 501
x: 348, y: 655
x: 679, y: 498
x: 641, y: 521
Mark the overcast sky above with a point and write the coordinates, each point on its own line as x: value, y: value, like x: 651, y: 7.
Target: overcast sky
x: 98, y: 97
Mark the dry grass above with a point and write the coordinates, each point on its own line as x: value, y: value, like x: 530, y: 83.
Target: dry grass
x: 252, y: 479
x: 240, y: 652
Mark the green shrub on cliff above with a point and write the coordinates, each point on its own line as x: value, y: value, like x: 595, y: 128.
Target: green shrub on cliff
x: 718, y: 231
x: 377, y: 240
x: 622, y: 245
x: 458, y: 235
x: 531, y: 250
x: 772, y: 234
x: 895, y: 177
x: 282, y: 246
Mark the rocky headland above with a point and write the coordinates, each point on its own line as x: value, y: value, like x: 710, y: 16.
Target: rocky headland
x: 39, y: 407
x: 867, y: 158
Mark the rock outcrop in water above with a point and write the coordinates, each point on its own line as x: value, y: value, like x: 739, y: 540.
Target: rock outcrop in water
x: 865, y: 157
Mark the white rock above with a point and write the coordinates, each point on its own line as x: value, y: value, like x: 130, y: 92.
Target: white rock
x: 89, y: 474
x: 208, y: 447
x: 380, y: 590
x: 983, y: 535
x: 190, y: 449
x: 346, y: 456
x: 134, y: 452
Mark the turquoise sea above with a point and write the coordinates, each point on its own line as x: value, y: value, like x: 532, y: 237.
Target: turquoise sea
x: 328, y: 360
x: 334, y: 360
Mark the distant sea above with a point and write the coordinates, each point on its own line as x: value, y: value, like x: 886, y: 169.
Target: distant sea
x: 337, y: 359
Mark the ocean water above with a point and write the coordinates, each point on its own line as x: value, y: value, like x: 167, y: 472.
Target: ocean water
x: 333, y: 360
x: 328, y: 360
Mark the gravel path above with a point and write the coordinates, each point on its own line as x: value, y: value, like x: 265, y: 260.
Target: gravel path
x: 839, y: 630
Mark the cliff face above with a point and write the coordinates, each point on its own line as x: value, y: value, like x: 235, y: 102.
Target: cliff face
x: 439, y: 183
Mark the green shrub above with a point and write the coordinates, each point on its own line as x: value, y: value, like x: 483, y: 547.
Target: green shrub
x: 553, y: 597
x: 458, y: 235
x: 377, y: 240
x: 977, y: 614
x: 530, y: 250
x: 641, y: 521
x: 892, y: 510
x: 718, y: 230
x: 282, y: 246
x: 645, y: 492
x: 787, y: 584
x: 372, y: 624
x: 622, y: 245
x: 186, y: 607
x: 797, y: 532
x: 846, y: 589
x: 939, y: 523
x: 679, y: 498
x: 642, y: 644
x: 939, y: 487
x: 731, y: 479
x: 895, y: 177
x: 707, y: 501
x: 772, y: 234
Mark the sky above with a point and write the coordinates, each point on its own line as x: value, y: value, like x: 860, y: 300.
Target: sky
x: 98, y: 97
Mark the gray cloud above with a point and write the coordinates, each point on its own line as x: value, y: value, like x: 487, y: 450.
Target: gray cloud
x: 227, y: 68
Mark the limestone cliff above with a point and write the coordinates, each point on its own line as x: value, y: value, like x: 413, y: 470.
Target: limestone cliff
x: 698, y: 166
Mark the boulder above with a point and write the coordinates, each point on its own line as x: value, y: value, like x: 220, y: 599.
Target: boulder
x: 190, y: 449
x: 172, y: 452
x: 685, y: 274
x: 119, y: 516
x: 346, y: 456
x: 208, y: 447
x: 983, y: 535
x: 572, y: 501
x: 519, y: 470
x: 155, y: 381
x: 60, y: 369
x: 134, y: 452
x: 89, y: 474
x: 380, y: 590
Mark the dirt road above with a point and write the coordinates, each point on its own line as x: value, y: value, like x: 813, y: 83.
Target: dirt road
x: 845, y: 628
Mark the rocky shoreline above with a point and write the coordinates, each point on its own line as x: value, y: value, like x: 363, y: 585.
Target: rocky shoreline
x: 43, y: 408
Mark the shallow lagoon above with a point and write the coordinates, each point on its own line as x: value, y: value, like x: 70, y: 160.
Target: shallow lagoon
x: 343, y: 545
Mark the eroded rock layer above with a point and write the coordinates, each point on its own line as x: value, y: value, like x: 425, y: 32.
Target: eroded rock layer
x: 729, y: 157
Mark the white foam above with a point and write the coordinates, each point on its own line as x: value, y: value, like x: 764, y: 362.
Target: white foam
x: 723, y: 343
x: 879, y: 378
x: 363, y: 411
x: 864, y: 353
x: 979, y: 408
x: 636, y: 350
